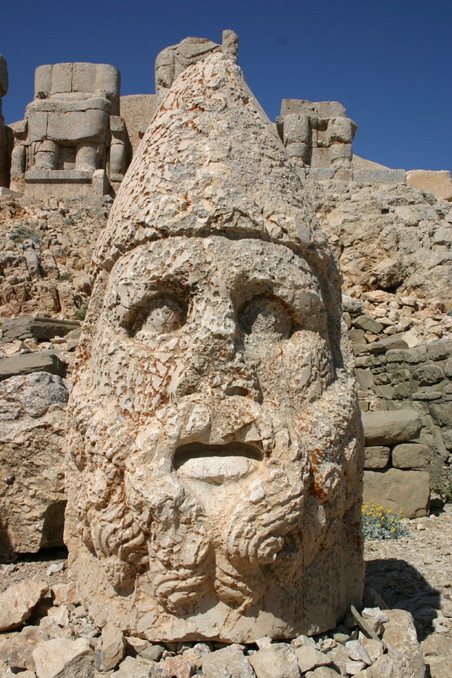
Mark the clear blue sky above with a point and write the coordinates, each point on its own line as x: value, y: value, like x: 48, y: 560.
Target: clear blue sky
x: 388, y: 61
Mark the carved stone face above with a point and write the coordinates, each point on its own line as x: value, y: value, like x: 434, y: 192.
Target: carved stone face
x: 209, y: 357
x: 214, y: 471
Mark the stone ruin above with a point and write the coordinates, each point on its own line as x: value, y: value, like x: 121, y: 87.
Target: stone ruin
x: 318, y: 137
x: 214, y: 474
x: 78, y: 134
x: 72, y: 140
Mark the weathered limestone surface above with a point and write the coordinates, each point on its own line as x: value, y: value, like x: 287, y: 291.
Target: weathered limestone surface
x: 32, y: 434
x: 215, y: 455
x: 387, y: 237
x: 45, y: 250
x: 439, y: 183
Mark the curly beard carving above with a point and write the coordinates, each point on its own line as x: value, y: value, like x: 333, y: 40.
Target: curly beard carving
x: 141, y: 518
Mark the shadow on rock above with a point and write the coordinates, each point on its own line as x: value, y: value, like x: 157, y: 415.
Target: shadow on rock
x: 401, y: 586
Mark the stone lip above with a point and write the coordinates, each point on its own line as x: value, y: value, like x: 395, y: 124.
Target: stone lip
x: 216, y: 464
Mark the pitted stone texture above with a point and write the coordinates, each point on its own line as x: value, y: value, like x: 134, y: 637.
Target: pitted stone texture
x: 216, y: 449
x: 32, y: 440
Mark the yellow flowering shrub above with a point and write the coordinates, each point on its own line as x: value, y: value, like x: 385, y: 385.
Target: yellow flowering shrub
x: 381, y: 523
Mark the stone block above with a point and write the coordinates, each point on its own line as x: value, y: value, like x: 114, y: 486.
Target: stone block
x: 376, y: 456
x: 320, y: 174
x: 325, y: 109
x: 229, y: 661
x: 442, y: 413
x: 137, y: 111
x: 26, y: 363
x: 391, y: 426
x: 73, y: 126
x: 37, y: 126
x: 400, y: 638
x: 410, y: 455
x: 100, y: 182
x: 276, y: 661
x: 32, y: 442
x: 8, y: 193
x: 388, y: 344
x: 405, y: 491
x: 94, y: 78
x: 364, y: 322
x: 41, y: 329
x: 379, y: 176
x: 428, y: 374
x: 440, y: 350
x: 61, y: 78
x: 58, y: 183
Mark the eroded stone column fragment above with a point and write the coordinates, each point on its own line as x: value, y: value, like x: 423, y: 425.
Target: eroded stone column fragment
x: 215, y: 448
x: 4, y: 150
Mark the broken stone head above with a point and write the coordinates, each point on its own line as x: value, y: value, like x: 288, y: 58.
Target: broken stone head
x: 215, y: 455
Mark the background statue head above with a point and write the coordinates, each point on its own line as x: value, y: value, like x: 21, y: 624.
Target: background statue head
x: 215, y: 468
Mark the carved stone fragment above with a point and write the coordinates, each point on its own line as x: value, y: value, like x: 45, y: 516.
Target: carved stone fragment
x: 4, y: 145
x: 71, y: 131
x: 215, y: 444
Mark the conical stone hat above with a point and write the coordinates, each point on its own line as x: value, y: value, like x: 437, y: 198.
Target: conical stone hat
x: 211, y: 163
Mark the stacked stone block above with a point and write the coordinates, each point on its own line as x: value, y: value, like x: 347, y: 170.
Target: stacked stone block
x: 399, y: 384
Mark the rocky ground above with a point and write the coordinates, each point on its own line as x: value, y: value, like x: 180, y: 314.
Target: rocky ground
x: 412, y: 574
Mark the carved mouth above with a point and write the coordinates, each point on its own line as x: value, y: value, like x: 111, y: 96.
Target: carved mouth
x: 216, y: 464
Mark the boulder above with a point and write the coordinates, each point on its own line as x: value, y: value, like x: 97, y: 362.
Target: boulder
x: 32, y: 441
x: 27, y: 363
x: 18, y: 601
x: 41, y: 329
x: 403, y: 647
x: 16, y: 648
x: 112, y: 647
x: 390, y: 426
x: 407, y: 492
x: 62, y: 658
x: 277, y: 661
x: 229, y: 662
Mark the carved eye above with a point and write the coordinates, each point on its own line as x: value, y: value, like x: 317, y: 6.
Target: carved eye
x: 159, y: 315
x: 266, y: 316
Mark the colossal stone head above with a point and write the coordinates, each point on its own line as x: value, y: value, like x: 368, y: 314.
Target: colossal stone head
x: 215, y: 453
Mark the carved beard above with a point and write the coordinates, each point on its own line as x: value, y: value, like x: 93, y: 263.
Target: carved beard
x: 142, y: 519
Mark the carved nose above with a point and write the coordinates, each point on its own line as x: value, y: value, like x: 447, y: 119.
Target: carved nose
x: 217, y: 362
